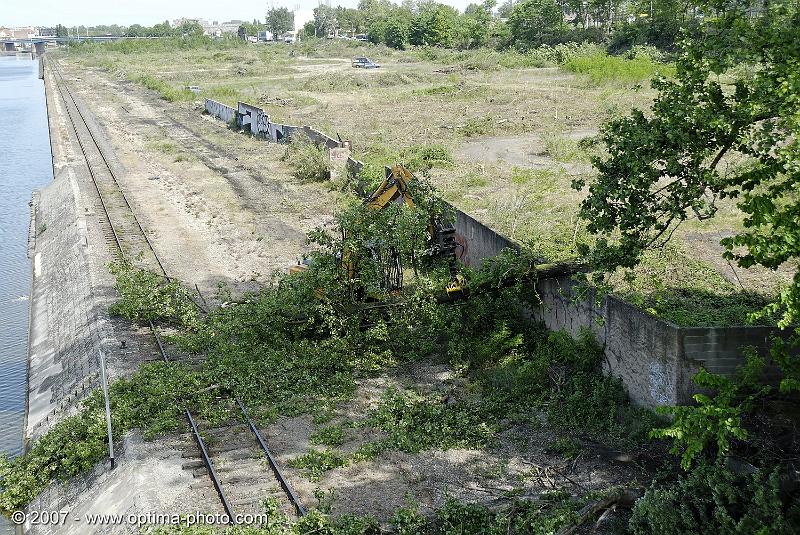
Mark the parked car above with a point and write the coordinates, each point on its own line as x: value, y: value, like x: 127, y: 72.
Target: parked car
x: 364, y: 63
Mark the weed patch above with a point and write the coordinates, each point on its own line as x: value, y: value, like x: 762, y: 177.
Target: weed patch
x: 308, y: 160
x: 602, y: 69
x: 165, y: 90
x: 316, y: 462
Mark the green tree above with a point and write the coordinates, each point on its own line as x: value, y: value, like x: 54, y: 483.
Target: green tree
x: 734, y: 100
x: 61, y: 31
x: 325, y: 22
x: 434, y: 25
x: 396, y: 32
x: 279, y: 21
x: 350, y: 21
x: 191, y: 29
x: 475, y: 25
x: 533, y: 22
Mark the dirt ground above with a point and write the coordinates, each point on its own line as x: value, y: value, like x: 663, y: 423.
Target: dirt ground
x: 522, y: 465
x: 219, y: 207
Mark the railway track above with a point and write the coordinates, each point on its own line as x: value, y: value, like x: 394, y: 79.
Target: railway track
x: 230, y: 458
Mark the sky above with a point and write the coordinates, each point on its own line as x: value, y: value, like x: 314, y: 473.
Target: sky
x: 149, y: 12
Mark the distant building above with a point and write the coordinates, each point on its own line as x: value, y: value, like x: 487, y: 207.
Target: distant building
x: 25, y: 32
x: 217, y: 29
x: 181, y: 21
x: 46, y: 32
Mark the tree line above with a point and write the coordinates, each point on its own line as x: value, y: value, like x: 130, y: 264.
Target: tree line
x: 522, y: 24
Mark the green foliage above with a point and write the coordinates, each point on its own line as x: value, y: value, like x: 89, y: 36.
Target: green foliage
x: 533, y: 22
x: 715, y: 421
x: 544, y: 516
x: 728, y: 102
x: 414, y: 423
x: 279, y: 21
x: 309, y: 161
x: 713, y: 499
x: 316, y: 462
x: 670, y: 284
x: 434, y: 25
x: 425, y: 157
x: 332, y: 435
x: 601, y: 69
x: 146, y: 296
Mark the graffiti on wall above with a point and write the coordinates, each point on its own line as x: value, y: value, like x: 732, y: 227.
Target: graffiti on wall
x: 662, y: 387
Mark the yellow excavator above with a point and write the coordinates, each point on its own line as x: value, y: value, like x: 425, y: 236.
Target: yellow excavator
x: 442, y: 242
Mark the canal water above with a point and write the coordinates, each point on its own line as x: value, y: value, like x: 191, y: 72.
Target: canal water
x: 25, y: 165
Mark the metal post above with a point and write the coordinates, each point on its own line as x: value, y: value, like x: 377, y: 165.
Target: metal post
x: 108, y: 408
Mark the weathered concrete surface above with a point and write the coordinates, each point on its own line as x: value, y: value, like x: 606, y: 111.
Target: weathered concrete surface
x: 477, y: 241
x: 149, y: 478
x: 65, y: 330
x: 71, y: 287
x: 655, y: 359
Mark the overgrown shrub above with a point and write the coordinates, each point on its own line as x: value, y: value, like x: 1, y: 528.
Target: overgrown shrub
x: 713, y: 499
x: 309, y: 161
x: 146, y: 296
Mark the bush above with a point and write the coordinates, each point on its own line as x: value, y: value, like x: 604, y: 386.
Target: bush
x: 309, y: 161
x: 712, y: 499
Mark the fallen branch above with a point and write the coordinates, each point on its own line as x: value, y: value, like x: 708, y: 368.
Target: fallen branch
x: 623, y: 498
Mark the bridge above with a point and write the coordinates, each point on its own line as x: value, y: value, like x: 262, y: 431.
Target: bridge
x: 39, y: 43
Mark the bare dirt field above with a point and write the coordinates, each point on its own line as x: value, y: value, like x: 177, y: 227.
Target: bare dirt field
x: 220, y: 208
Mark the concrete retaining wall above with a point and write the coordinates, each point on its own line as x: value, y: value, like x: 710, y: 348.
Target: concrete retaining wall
x: 65, y: 336
x: 220, y: 111
x: 654, y: 358
x: 477, y: 241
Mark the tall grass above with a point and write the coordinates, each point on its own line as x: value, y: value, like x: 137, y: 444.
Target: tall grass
x: 602, y: 69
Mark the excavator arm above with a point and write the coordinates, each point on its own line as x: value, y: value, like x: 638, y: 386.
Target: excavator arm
x: 394, y: 188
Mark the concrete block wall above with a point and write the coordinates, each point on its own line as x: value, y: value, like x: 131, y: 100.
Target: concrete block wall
x: 655, y: 359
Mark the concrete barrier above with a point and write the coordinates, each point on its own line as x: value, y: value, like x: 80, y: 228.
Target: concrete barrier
x: 654, y: 358
x: 476, y: 240
x: 220, y: 111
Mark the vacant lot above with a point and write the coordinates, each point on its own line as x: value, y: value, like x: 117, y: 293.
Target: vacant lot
x: 511, y: 132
